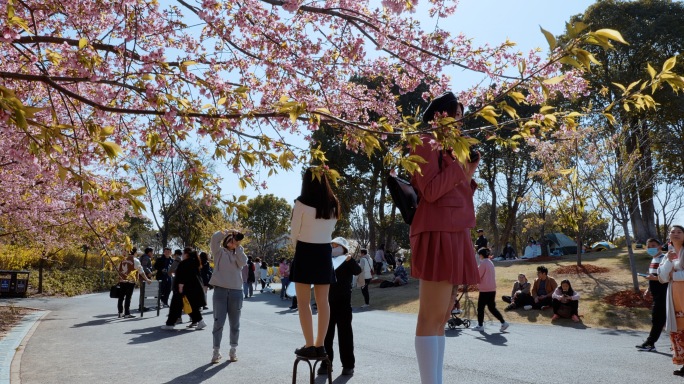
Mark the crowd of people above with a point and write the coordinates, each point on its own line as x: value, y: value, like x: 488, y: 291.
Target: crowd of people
x: 443, y: 258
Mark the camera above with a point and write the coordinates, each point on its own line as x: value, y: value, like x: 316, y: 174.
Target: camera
x: 664, y: 247
x: 474, y: 155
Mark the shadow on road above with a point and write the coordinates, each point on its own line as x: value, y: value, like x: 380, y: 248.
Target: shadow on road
x: 200, y: 374
x: 152, y: 334
x: 92, y: 323
x: 497, y: 339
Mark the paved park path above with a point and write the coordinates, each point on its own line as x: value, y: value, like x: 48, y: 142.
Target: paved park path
x: 80, y: 340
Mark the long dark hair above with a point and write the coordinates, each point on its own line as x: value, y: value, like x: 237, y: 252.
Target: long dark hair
x: 570, y: 292
x: 193, y: 257
x: 318, y: 194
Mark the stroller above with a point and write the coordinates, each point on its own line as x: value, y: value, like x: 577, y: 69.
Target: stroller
x: 455, y: 320
x: 267, y: 287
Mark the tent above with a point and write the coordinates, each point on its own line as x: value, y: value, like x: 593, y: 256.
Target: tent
x: 560, y: 241
x: 602, y: 246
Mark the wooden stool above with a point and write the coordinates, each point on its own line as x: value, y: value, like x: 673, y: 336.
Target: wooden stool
x: 312, y: 368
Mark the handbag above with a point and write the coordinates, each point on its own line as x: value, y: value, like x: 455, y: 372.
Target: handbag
x: 114, y: 291
x: 404, y: 195
x: 187, y: 308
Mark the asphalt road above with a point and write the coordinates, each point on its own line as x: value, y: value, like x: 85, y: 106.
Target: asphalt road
x: 82, y: 341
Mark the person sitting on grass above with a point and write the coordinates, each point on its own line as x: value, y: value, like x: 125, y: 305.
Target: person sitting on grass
x: 565, y: 302
x: 542, y: 289
x: 400, y: 275
x: 520, y: 296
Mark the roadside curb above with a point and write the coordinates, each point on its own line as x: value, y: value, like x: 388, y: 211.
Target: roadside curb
x: 13, y: 344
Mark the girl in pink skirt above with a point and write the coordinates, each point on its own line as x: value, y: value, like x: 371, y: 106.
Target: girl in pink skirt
x: 442, y: 254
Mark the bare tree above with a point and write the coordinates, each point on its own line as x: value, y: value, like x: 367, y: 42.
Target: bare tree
x: 670, y: 200
x: 358, y: 221
x: 613, y: 170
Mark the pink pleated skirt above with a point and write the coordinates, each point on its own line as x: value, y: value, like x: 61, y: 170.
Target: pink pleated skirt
x: 444, y: 256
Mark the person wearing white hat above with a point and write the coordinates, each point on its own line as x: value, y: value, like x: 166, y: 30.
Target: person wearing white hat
x: 339, y: 298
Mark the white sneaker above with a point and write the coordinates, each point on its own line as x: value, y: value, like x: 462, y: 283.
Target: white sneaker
x: 233, y: 354
x: 365, y: 306
x: 201, y: 325
x: 478, y: 328
x: 527, y: 307
x: 168, y: 327
x: 216, y: 357
x: 504, y: 326
x: 456, y: 311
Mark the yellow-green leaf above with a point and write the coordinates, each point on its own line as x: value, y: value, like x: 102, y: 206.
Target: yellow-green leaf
x: 554, y: 80
x: 112, y: 149
x: 612, y: 35
x: 669, y: 63
x: 651, y: 71
x: 82, y: 43
x: 138, y: 192
x: 549, y: 38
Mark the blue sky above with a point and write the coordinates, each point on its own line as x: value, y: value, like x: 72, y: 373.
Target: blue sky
x: 486, y: 21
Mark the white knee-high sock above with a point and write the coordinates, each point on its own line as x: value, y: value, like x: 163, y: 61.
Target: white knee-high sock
x: 440, y: 360
x: 427, y: 354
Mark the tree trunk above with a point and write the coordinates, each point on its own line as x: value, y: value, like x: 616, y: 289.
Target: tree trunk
x: 492, y: 212
x: 41, y: 265
x: 632, y: 262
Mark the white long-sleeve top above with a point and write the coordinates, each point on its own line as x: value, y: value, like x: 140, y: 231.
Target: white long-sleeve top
x: 676, y: 268
x: 227, y: 264
x: 558, y: 294
x: 305, y: 227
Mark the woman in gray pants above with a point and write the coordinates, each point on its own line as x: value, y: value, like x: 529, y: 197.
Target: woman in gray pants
x: 229, y: 258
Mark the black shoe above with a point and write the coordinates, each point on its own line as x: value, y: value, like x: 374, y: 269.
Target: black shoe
x: 320, y: 351
x: 347, y: 371
x: 192, y: 325
x: 308, y: 352
x: 510, y: 307
x: 679, y: 372
x: 646, y: 346
x: 323, y: 369
x: 205, y: 308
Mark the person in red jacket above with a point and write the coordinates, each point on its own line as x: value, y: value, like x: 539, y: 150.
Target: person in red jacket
x: 442, y: 254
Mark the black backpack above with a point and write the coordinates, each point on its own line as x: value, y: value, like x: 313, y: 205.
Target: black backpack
x: 404, y: 195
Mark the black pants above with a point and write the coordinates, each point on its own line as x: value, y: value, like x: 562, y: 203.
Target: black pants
x: 487, y: 299
x: 341, y: 316
x: 378, y: 268
x: 658, y: 317
x: 175, y: 309
x: 364, y: 291
x: 545, y: 302
x: 125, y: 293
x: 523, y: 299
x: 573, y: 304
x: 165, y: 284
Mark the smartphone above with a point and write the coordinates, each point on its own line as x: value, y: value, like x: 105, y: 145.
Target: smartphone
x: 642, y: 274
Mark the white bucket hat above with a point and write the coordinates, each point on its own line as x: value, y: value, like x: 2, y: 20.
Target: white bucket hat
x: 341, y: 241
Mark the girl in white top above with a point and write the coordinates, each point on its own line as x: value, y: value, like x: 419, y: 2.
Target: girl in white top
x: 314, y: 216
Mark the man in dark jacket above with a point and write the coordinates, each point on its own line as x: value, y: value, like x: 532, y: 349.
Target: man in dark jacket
x: 162, y: 266
x: 481, y: 241
x: 339, y: 298
x: 658, y: 292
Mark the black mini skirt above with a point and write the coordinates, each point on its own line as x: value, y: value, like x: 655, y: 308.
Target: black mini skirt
x: 312, y: 264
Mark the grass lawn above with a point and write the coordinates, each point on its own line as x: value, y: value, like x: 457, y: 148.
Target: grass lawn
x: 593, y: 288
